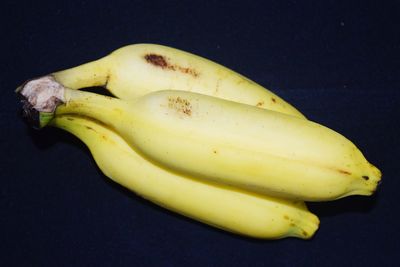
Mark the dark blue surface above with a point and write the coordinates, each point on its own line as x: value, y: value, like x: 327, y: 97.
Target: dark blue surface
x: 338, y: 62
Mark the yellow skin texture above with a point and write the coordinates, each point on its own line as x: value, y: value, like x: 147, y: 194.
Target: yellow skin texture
x: 235, y: 144
x: 135, y: 70
x: 227, y: 208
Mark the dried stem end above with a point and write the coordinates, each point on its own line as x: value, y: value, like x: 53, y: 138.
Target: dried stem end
x: 40, y: 98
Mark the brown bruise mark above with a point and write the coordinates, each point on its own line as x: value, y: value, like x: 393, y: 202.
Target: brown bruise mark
x: 103, y: 136
x: 273, y: 99
x: 242, y: 80
x: 344, y: 172
x: 286, y: 217
x: 188, y: 71
x: 180, y: 105
x: 156, y: 60
x: 365, y: 177
x: 292, y: 225
x: 215, y: 151
x: 70, y: 119
x: 162, y: 62
x: 260, y: 104
x: 305, y: 233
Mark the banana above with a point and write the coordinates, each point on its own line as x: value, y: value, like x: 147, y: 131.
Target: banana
x: 226, y: 208
x: 223, y: 141
x: 135, y: 70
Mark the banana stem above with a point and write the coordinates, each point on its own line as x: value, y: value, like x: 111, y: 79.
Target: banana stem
x: 40, y: 98
x: 95, y: 73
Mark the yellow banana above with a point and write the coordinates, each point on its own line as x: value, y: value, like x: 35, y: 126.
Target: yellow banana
x: 227, y: 142
x: 135, y: 70
x: 227, y: 208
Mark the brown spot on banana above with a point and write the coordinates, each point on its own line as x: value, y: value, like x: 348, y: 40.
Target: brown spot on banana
x: 156, y: 60
x: 344, y: 172
x: 243, y: 80
x: 180, y: 105
x: 163, y: 63
x: 90, y: 128
x: 260, y: 104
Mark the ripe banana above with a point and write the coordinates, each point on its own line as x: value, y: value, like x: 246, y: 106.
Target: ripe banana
x: 227, y: 208
x: 135, y: 70
x: 223, y: 141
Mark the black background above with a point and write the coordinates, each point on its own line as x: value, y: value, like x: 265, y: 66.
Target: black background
x: 337, y: 61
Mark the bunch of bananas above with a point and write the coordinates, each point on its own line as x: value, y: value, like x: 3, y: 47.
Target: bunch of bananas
x: 201, y: 140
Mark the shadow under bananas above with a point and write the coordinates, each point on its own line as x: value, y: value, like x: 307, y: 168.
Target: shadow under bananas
x: 47, y: 137
x: 350, y: 204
